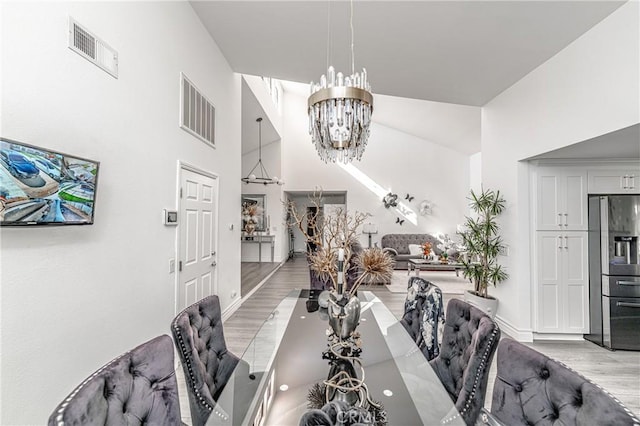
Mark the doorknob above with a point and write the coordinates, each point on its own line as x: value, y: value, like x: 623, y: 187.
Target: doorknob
x: 213, y: 253
x: 214, y: 263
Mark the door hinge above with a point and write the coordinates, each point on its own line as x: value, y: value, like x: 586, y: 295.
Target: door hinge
x: 180, y: 265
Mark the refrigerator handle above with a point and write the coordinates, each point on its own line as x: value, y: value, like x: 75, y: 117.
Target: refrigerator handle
x: 604, y: 234
x: 628, y: 305
x: 634, y: 283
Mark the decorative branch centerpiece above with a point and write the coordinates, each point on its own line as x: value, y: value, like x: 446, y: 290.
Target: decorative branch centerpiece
x: 338, y: 258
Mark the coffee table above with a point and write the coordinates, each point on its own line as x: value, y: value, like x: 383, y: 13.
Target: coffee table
x: 284, y: 361
x: 432, y: 265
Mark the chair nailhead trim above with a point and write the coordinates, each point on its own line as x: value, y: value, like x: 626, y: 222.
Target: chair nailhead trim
x: 63, y: 406
x: 183, y: 347
x: 634, y: 419
x: 477, y: 378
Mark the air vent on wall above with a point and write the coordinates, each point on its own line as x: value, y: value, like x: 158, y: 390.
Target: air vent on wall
x: 197, y: 114
x: 92, y: 48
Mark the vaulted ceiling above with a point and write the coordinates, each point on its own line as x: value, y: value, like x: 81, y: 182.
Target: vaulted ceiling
x: 458, y: 52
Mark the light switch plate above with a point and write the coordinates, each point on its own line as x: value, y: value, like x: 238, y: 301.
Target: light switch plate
x: 170, y: 217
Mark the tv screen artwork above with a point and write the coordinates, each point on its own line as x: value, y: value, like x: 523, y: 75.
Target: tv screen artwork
x: 42, y: 187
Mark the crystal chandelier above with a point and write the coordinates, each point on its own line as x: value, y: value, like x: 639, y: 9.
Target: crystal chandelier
x: 264, y: 175
x: 340, y: 111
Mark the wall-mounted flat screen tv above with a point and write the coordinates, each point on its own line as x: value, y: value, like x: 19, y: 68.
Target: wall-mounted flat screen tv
x: 43, y: 187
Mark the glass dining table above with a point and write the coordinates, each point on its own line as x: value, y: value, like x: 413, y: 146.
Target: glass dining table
x: 284, y: 361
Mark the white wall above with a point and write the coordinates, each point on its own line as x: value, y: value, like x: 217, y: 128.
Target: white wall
x: 394, y: 161
x: 259, y: 90
x: 475, y: 172
x: 588, y: 89
x: 75, y: 297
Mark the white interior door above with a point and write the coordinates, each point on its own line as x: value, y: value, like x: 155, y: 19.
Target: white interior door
x: 197, y: 229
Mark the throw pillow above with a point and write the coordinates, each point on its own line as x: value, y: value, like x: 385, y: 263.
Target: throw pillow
x: 415, y: 249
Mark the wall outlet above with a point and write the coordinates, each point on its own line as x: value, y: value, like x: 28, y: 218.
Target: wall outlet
x: 172, y: 266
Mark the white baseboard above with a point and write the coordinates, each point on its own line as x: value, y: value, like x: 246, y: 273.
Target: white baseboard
x: 231, y: 309
x: 517, y: 334
x: 558, y: 336
x: 238, y: 302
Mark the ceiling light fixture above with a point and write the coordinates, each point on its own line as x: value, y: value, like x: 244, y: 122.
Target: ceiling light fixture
x: 340, y: 111
x: 264, y: 175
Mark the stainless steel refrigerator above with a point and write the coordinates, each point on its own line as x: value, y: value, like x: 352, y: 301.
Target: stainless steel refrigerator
x: 614, y: 271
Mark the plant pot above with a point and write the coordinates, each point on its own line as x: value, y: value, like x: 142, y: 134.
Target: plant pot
x: 487, y: 305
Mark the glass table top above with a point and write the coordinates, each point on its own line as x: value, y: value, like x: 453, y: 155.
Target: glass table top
x: 284, y: 361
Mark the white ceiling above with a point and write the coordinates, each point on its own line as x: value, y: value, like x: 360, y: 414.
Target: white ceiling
x: 463, y: 52
x: 623, y: 143
x: 418, y: 54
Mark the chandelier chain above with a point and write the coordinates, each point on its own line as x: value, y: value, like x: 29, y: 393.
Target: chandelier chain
x: 340, y: 107
x: 328, y: 31
x: 353, y: 60
x: 260, y: 139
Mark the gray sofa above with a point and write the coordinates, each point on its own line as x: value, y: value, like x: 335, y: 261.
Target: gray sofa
x: 398, y: 246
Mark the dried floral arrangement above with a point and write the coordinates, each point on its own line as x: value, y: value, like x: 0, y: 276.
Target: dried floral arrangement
x: 334, y: 232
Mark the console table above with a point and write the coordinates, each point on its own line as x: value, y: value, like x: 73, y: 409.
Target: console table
x: 260, y: 239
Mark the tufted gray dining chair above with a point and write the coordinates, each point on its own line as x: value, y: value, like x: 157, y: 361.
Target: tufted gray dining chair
x: 469, y: 341
x: 533, y: 389
x: 423, y: 316
x: 137, y: 388
x: 206, y: 362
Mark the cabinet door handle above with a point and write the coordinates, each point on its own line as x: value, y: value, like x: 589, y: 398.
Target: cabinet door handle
x: 628, y: 305
x: 559, y: 222
x: 566, y: 219
x: 632, y: 182
x: 566, y: 242
x: 625, y: 182
x: 560, y: 243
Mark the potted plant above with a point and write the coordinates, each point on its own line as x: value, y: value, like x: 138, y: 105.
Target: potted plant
x: 483, y: 246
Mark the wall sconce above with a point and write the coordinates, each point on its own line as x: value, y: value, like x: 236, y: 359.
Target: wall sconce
x: 390, y: 200
x: 369, y: 228
x: 426, y: 208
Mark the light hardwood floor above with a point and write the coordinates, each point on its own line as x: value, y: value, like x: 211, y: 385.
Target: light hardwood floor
x: 616, y: 371
x: 252, y: 274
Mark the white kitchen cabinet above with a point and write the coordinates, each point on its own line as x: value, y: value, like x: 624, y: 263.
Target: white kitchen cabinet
x: 562, y: 282
x: 614, y: 181
x: 561, y: 199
